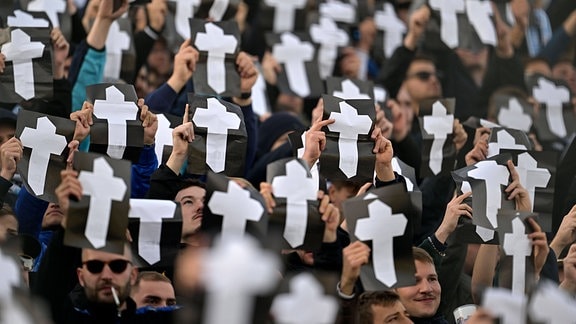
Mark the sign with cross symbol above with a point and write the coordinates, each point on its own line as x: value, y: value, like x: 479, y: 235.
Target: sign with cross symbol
x: 235, y: 271
x: 25, y: 19
x: 163, y: 141
x: 285, y: 12
x: 488, y: 178
x: 99, y: 220
x: 383, y: 219
x: 518, y: 245
x: 348, y: 143
x: 118, y: 42
x: 436, y: 128
x: 503, y: 138
x: 510, y: 308
x: 349, y: 89
x: 307, y: 296
x: 152, y: 215
x: 391, y: 28
x: 339, y: 11
x: 297, y: 191
x: 553, y: 97
x: 231, y: 209
x: 184, y: 11
x: 117, y: 130
x: 217, y: 122
x: 45, y: 140
x: 448, y: 16
x: 327, y: 34
x: 21, y: 52
x: 51, y: 7
x: 221, y: 139
x: 513, y: 115
x: 218, y: 44
x: 297, y: 56
x: 550, y: 304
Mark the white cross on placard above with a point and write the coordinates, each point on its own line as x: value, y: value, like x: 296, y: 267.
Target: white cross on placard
x: 184, y: 11
x: 494, y: 175
x: 349, y: 124
x: 236, y: 208
x: 298, y: 189
x: 554, y: 97
x: 307, y: 297
x: 21, y: 51
x: 51, y: 7
x: 294, y: 53
x: 103, y: 188
x: 531, y: 176
x: 24, y: 19
x: 479, y: 14
x: 551, y: 305
x: 163, y: 136
x: 43, y: 141
x: 330, y: 37
x: 519, y: 246
x: 234, y: 272
x: 117, y: 112
x: 504, y: 141
x: 439, y: 124
x: 513, y: 116
x: 338, y: 11
x: 218, y: 122
x: 394, y: 28
x: 285, y: 13
x: 509, y: 307
x: 217, y: 44
x: 117, y: 41
x: 350, y: 91
x: 449, y: 21
x: 218, y: 9
x: 381, y: 227
x: 10, y: 277
x: 151, y: 212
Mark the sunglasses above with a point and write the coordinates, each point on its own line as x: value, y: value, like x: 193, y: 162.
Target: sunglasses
x: 116, y: 266
x: 425, y: 75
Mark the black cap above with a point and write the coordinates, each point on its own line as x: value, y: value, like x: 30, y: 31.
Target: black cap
x: 8, y: 117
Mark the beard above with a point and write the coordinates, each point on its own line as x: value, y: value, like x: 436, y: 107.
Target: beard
x: 101, y: 295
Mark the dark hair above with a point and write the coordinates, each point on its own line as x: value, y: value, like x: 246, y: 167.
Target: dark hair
x: 385, y: 298
x: 190, y: 182
x: 6, y: 210
x: 150, y: 276
x: 511, y: 91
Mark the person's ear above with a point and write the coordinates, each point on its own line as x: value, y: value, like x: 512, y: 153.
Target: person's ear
x: 133, y: 276
x: 80, y: 273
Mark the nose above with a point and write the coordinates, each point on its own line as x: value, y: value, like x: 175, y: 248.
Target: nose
x: 425, y: 286
x: 106, y: 272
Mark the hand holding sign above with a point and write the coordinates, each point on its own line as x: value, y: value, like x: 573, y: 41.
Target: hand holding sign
x: 10, y: 153
x: 384, y: 153
x: 480, y: 150
x: 330, y: 216
x: 315, y: 141
x: 569, y: 283
x: 539, y: 246
x: 354, y: 256
x: 247, y: 70
x: 181, y: 136
x: 60, y: 53
x: 455, y: 208
x: 83, y: 119
x: 416, y: 27
x: 69, y: 188
x: 566, y: 233
x: 184, y: 66
x: 149, y: 122
x: 516, y: 191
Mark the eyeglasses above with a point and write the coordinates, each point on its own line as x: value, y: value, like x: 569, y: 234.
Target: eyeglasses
x: 425, y: 75
x: 116, y: 266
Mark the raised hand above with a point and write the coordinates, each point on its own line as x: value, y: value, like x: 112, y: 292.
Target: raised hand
x: 10, y: 154
x: 455, y: 208
x: 184, y: 66
x: 83, y: 119
x: 516, y: 191
x: 149, y: 122
x: 181, y: 136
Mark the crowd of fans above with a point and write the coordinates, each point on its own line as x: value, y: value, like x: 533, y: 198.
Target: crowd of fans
x: 93, y: 286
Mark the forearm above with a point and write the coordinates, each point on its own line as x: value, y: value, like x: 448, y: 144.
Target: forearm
x: 99, y: 33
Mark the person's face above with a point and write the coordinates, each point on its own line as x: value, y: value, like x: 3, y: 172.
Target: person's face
x: 154, y: 294
x: 8, y: 227
x: 422, y: 82
x: 53, y: 216
x: 6, y: 133
x: 141, y: 85
x: 191, y: 200
x: 338, y: 195
x: 565, y: 71
x: 390, y: 314
x: 159, y: 58
x: 291, y: 103
x: 422, y: 299
x: 98, y: 281
x: 406, y: 104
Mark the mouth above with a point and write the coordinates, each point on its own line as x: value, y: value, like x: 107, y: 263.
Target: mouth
x: 425, y: 300
x: 197, y: 216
